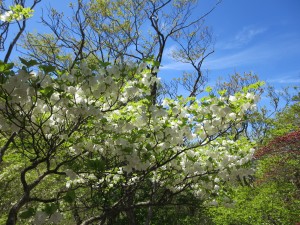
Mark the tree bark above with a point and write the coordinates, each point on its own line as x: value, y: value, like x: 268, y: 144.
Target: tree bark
x: 13, y: 213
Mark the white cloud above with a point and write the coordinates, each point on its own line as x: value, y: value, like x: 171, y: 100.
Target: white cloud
x: 230, y: 61
x: 241, y: 58
x: 247, y: 34
x: 242, y: 38
x: 177, y: 66
x: 267, y: 53
x: 292, y: 78
x: 264, y: 53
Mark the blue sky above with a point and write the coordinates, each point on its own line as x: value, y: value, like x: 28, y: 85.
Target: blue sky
x: 259, y: 36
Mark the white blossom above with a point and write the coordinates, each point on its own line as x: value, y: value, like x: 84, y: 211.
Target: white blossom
x: 6, y: 16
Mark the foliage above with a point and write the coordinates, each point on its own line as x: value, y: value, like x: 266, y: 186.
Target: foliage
x: 286, y: 121
x: 268, y: 203
x: 16, y: 12
x: 274, y: 197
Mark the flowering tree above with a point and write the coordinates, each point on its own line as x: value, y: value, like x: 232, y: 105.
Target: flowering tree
x: 89, y: 145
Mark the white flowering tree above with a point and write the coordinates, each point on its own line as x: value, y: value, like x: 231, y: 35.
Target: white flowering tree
x: 89, y: 146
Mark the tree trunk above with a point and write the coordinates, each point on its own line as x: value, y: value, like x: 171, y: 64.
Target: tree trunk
x: 13, y: 212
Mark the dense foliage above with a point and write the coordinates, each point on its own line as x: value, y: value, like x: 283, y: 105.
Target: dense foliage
x: 274, y: 196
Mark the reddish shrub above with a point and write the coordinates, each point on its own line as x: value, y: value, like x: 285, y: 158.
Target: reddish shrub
x: 289, y: 143
x: 281, y: 149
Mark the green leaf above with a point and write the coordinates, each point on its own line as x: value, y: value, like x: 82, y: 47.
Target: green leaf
x: 151, y: 61
x: 104, y: 64
x: 148, y: 146
x: 47, y: 68
x: 147, y: 155
x: 96, y: 164
x: 50, y: 208
x: 29, y: 63
x: 222, y: 92
x: 23, y: 61
x: 47, y: 92
x: 127, y: 150
x: 5, y: 67
x: 156, y: 63
x: 70, y: 196
x: 27, y: 214
x: 208, y: 89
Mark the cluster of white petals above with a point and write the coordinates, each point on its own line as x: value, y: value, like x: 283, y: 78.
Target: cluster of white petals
x: 108, y: 113
x: 6, y: 16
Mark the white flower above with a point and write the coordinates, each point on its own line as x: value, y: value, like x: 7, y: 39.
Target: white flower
x: 214, y: 109
x: 216, y: 187
x: 71, y: 174
x: 214, y: 203
x: 253, y: 107
x: 217, y: 122
x: 227, y: 109
x: 232, y: 116
x: 191, y: 153
x: 250, y: 96
x: 63, y: 136
x: 211, y: 130
x: 217, y: 180
x: 203, y: 135
x: 40, y: 217
x: 224, y: 111
x: 71, y: 90
x: 232, y: 98
x: 256, y: 98
x: 48, y: 136
x: 165, y: 103
x: 206, y: 124
x: 246, y: 106
x: 54, y: 97
x: 55, y: 218
x: 4, y: 17
x: 146, y: 80
x: 68, y: 184
x: 251, y: 151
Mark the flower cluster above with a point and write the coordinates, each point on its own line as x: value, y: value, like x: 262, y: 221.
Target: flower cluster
x: 105, y: 118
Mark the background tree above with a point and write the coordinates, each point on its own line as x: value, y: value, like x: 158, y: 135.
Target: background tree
x: 274, y: 196
x: 122, y: 31
x: 276, y: 102
x: 21, y: 10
